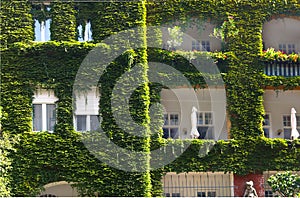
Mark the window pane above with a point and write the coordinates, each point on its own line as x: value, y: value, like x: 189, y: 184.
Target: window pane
x: 81, y: 122
x: 37, y: 117
x: 51, y: 117
x: 266, y: 132
x: 202, y: 132
x: 200, y: 119
x: 175, y: 194
x: 287, y: 133
x: 174, y: 133
x: 266, y: 121
x: 94, y: 122
x: 201, y: 194
x: 166, y: 119
x: 208, y: 118
x: 287, y: 121
x: 166, y: 133
x: 173, y: 119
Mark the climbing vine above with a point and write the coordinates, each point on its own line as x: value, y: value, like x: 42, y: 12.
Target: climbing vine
x: 40, y: 158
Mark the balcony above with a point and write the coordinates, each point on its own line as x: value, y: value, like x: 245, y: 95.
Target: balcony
x: 280, y: 68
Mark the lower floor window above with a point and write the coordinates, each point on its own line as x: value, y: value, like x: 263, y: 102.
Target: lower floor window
x: 268, y: 193
x: 87, y: 122
x: 44, y: 117
x: 170, y: 133
x: 205, y: 132
x: 171, y: 125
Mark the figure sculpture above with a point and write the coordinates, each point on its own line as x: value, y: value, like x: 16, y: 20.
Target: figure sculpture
x: 250, y: 190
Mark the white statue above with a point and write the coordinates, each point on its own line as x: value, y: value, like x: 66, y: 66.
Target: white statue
x: 250, y: 190
x: 194, y: 132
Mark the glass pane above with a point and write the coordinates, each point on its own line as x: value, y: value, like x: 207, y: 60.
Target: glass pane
x: 211, y: 194
x: 287, y: 121
x: 200, y: 119
x: 174, y: 119
x: 208, y: 119
x: 266, y: 132
x: 266, y: 121
x: 81, y: 122
x: 201, y: 194
x: 51, y: 117
x: 174, y: 133
x: 166, y: 119
x: 175, y: 194
x: 166, y: 133
x: 287, y: 133
x: 94, y: 122
x: 202, y: 132
x: 298, y: 121
x: 37, y: 117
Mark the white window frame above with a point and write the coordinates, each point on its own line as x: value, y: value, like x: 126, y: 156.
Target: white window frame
x: 287, y: 124
x: 267, y: 125
x: 170, y: 126
x: 206, y: 124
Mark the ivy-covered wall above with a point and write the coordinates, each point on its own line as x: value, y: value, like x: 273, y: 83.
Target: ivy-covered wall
x: 40, y: 158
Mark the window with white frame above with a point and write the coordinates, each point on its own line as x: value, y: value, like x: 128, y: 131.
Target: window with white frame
x: 85, y: 31
x: 205, y: 45
x: 196, y: 46
x: 44, y: 117
x: 43, y: 110
x: 288, y: 48
x: 171, y: 125
x: 209, y: 194
x: 267, y: 125
x: 287, y: 129
x: 87, y: 122
x: 205, y: 125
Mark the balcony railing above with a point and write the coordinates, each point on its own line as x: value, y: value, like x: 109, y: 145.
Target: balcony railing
x: 287, y: 69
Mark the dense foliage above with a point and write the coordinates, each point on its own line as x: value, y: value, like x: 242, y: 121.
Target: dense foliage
x: 41, y: 158
x: 286, y: 184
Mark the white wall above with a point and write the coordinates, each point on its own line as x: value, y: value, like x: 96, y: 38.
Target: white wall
x: 87, y: 103
x: 202, y: 33
x: 182, y: 100
x: 44, y: 96
x: 279, y: 103
x: 282, y: 30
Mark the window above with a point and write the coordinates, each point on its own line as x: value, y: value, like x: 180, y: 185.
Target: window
x: 287, y: 125
x: 201, y: 194
x: 211, y: 194
x: 195, y: 46
x: 171, y: 125
x: 44, y: 117
x: 268, y: 193
x: 267, y: 125
x: 87, y: 122
x: 85, y: 32
x: 205, y: 125
x: 175, y: 194
x: 206, y: 45
x: 288, y: 48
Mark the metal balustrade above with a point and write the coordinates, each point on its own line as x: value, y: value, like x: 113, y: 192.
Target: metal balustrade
x: 287, y: 69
